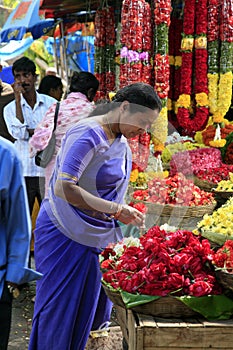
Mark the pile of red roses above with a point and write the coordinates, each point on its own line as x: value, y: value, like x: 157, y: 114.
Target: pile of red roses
x: 224, y: 256
x: 215, y: 175
x: 175, y: 190
x: 176, y: 263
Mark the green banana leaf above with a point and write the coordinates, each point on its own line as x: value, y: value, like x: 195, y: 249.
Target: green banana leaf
x: 212, y: 307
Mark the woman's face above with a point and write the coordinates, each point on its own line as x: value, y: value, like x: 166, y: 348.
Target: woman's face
x: 133, y: 124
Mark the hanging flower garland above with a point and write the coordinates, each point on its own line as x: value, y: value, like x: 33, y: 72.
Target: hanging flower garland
x: 105, y: 38
x: 220, y: 50
x: 192, y: 114
x: 162, y: 13
x: 135, y: 66
x: 175, y: 31
x: 136, y: 41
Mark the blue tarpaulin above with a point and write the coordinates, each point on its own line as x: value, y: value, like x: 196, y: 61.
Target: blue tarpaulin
x: 6, y: 75
x: 80, y: 50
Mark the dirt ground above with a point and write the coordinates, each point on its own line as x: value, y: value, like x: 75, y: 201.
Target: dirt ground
x: 22, y: 318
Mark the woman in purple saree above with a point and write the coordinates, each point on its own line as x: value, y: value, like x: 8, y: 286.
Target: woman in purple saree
x: 80, y: 217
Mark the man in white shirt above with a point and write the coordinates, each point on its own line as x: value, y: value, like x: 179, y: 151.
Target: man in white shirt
x: 21, y: 117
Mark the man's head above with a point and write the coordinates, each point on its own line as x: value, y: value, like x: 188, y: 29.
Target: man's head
x: 24, y: 71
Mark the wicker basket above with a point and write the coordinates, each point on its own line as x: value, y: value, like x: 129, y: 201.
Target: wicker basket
x: 222, y: 196
x: 166, y: 307
x: 204, y: 185
x: 224, y: 278
x: 215, y: 237
x: 178, y: 210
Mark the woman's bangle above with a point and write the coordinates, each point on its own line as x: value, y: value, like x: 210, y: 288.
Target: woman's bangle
x: 118, y: 213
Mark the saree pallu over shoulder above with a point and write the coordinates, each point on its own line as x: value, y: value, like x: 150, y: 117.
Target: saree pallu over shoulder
x: 107, y: 177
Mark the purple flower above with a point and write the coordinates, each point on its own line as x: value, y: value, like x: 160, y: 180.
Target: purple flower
x: 144, y: 56
x: 124, y: 52
x: 133, y: 56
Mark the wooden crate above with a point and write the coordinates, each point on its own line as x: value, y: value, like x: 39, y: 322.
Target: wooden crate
x: 143, y: 332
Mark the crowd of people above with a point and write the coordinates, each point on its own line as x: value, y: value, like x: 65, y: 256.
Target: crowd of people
x: 81, y: 196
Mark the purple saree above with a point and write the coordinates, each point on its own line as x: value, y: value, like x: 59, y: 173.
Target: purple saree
x: 69, y: 299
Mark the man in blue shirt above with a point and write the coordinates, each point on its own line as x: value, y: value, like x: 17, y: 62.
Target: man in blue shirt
x: 15, y: 234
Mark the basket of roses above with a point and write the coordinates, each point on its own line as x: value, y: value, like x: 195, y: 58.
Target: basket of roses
x: 223, y: 262
x: 175, y: 195
x: 208, y: 179
x: 164, y: 274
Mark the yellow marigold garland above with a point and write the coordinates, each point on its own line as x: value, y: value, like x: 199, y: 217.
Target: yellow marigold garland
x: 159, y: 131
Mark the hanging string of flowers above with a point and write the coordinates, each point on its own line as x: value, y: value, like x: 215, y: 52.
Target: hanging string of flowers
x: 105, y: 51
x: 162, y: 13
x: 136, y: 41
x: 193, y: 114
x: 220, y: 51
x: 175, y: 31
x: 135, y: 66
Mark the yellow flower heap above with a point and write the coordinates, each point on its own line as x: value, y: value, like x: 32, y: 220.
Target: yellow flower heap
x: 225, y: 185
x: 218, y: 226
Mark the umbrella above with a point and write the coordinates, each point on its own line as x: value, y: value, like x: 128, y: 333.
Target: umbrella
x: 26, y: 17
x: 15, y: 48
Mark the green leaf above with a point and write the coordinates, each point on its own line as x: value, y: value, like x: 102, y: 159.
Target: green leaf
x: 212, y: 307
x: 132, y: 300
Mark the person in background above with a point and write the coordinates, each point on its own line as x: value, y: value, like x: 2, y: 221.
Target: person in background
x: 80, y: 217
x: 21, y: 117
x: 51, y: 71
x: 75, y: 107
x: 52, y: 86
x: 15, y: 228
x: 6, y: 96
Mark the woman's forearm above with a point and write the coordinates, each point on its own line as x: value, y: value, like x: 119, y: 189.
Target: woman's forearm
x: 82, y: 199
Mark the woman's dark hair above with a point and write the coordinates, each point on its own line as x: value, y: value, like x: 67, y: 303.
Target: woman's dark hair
x: 83, y: 82
x: 24, y: 64
x: 49, y: 82
x: 139, y: 95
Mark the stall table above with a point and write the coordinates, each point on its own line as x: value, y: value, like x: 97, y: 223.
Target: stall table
x: 144, y: 332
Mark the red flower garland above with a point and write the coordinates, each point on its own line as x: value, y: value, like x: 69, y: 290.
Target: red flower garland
x: 105, y: 38
x: 175, y: 30
x: 194, y: 117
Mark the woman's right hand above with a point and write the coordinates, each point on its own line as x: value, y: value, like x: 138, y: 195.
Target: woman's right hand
x: 130, y: 215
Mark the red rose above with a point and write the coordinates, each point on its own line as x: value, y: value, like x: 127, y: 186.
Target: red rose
x: 200, y: 288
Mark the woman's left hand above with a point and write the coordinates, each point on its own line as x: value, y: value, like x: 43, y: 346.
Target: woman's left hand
x: 130, y: 215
